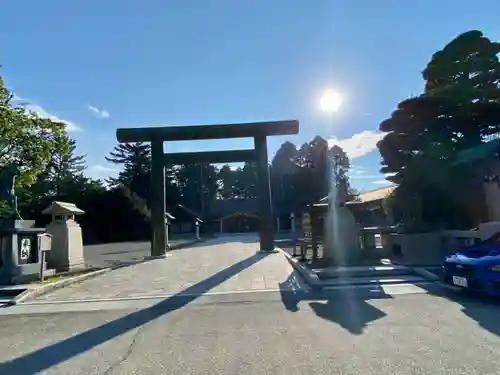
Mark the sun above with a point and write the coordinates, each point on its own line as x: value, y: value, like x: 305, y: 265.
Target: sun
x: 331, y: 101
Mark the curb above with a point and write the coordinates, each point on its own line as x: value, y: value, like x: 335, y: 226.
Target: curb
x: 314, y: 281
x: 428, y: 275
x: 47, y: 288
x: 310, y: 277
x: 44, y: 289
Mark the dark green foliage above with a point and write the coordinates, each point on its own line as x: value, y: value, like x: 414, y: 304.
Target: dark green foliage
x: 116, y: 215
x: 459, y: 109
x: 136, y: 161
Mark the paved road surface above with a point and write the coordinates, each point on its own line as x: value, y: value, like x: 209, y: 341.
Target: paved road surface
x: 347, y: 333
x: 237, y: 312
x: 217, y: 265
x: 105, y: 255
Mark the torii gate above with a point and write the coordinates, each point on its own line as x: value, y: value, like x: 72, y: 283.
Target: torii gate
x: 259, y: 131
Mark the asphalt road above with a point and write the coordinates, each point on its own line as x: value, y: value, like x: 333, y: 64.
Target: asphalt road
x: 264, y: 333
x: 109, y: 254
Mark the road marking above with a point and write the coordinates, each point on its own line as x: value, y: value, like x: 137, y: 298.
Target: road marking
x: 161, y: 296
x: 143, y: 302
x: 390, y: 289
x: 405, y: 288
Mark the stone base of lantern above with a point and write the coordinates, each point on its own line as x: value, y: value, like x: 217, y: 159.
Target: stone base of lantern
x: 67, y: 245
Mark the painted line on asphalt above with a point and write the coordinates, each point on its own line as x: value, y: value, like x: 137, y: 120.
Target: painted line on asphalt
x: 389, y: 290
x: 161, y: 296
x: 214, y: 298
x: 382, y: 288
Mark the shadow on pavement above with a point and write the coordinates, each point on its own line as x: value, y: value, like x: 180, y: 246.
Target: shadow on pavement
x: 43, y: 359
x: 289, y: 296
x: 144, y: 246
x: 134, y: 252
x: 482, y: 309
x: 348, y: 308
x: 353, y: 314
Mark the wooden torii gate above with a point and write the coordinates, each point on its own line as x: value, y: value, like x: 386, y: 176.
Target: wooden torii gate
x: 259, y: 131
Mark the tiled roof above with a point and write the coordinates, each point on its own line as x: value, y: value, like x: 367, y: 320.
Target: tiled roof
x: 377, y: 194
x: 368, y: 196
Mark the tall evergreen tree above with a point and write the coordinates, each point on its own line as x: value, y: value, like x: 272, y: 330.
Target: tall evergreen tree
x: 65, y: 166
x: 136, y: 161
x: 341, y: 165
x: 459, y: 109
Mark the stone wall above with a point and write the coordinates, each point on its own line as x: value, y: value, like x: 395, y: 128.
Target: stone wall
x: 431, y: 248
x: 417, y: 249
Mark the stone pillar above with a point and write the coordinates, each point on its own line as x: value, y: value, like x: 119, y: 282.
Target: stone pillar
x: 277, y: 225
x: 264, y: 195
x: 158, y: 236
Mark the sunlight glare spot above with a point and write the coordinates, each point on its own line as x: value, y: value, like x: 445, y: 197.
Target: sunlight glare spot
x: 331, y: 101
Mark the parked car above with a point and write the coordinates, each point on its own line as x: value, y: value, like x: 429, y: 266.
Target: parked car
x: 475, y: 267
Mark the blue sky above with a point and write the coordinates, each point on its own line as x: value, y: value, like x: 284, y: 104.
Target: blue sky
x: 100, y: 65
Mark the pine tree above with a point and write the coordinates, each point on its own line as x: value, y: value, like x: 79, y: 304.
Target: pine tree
x: 136, y: 161
x: 64, y: 168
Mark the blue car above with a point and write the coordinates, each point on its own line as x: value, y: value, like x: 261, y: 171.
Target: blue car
x: 475, y: 267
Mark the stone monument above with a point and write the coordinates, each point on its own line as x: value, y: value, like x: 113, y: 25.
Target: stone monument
x: 67, y: 242
x: 20, y: 259
x: 8, y: 196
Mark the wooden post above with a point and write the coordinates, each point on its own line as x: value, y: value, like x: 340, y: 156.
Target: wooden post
x: 264, y: 187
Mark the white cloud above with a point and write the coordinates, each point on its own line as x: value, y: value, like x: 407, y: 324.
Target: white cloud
x: 40, y: 111
x: 362, y: 175
x: 100, y: 112
x: 356, y: 170
x: 365, y: 176
x: 17, y: 98
x: 359, y: 144
x: 382, y: 182
x: 70, y: 126
x: 101, y: 171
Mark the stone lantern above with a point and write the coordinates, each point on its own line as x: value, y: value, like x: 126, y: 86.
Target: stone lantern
x: 168, y: 221
x: 197, y: 223
x: 67, y: 241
